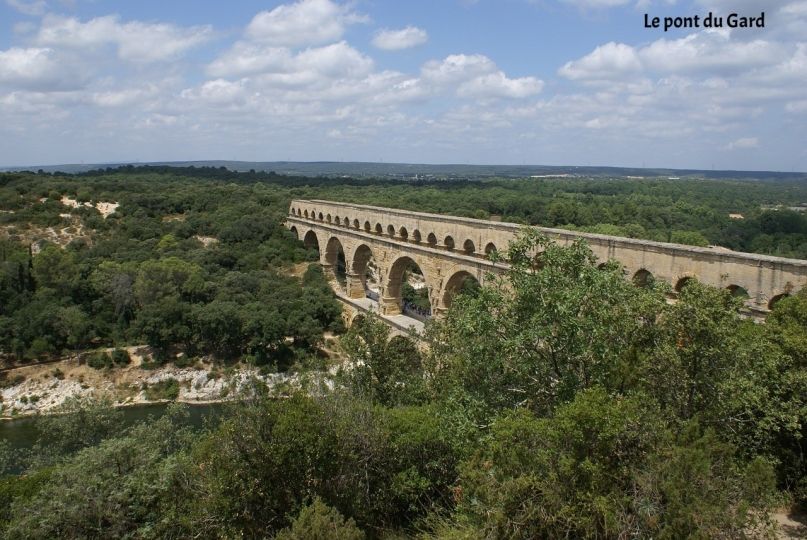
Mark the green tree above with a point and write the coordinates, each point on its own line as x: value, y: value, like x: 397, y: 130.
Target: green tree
x: 318, y: 521
x: 554, y: 325
x: 381, y: 369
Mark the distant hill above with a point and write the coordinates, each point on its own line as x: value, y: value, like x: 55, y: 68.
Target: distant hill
x: 409, y: 171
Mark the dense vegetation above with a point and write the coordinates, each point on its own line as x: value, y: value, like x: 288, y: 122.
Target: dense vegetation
x: 144, y: 274
x: 561, y: 401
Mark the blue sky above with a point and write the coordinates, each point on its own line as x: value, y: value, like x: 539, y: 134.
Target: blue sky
x: 561, y: 82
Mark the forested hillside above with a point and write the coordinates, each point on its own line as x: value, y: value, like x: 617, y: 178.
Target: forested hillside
x: 557, y: 401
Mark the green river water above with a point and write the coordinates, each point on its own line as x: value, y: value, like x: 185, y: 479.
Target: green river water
x: 22, y: 433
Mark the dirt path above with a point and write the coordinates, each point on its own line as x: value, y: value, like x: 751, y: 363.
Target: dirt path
x: 792, y: 525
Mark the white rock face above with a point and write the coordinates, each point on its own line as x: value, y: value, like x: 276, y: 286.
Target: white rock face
x: 43, y: 391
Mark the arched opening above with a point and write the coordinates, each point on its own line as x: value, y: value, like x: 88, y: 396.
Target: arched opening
x: 407, y: 286
x: 432, y: 240
x: 460, y: 283
x: 320, y: 216
x: 403, y: 233
x: 468, y: 247
x: 490, y: 249
x: 391, y: 230
x: 379, y: 230
x: 294, y: 232
x: 683, y: 282
x: 328, y: 218
x: 416, y: 238
x: 357, y: 319
x: 335, y: 258
x: 356, y: 224
x: 365, y: 268
x: 310, y: 241
x: 346, y: 222
x: 643, y: 278
x: 367, y: 226
x: 776, y: 299
x: 449, y: 243
x: 738, y: 292
x: 337, y: 221
x: 306, y: 214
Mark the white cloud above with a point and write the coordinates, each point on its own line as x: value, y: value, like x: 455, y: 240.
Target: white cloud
x: 34, y: 8
x: 597, y: 4
x: 605, y: 62
x: 339, y: 60
x: 245, y: 58
x: 312, y: 65
x: 498, y: 85
x: 744, y: 143
x: 797, y: 106
x: 457, y: 68
x: 590, y: 5
x: 36, y: 68
x: 306, y: 22
x: 135, y: 41
x: 393, y: 40
x: 708, y: 52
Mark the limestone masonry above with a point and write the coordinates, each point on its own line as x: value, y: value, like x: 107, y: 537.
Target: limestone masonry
x: 449, y: 249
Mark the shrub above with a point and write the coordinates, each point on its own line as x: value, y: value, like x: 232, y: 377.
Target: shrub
x: 318, y: 521
x: 6, y: 382
x: 100, y: 360
x: 164, y: 389
x: 121, y: 357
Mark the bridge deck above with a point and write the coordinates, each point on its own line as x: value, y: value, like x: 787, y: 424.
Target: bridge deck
x: 401, y: 324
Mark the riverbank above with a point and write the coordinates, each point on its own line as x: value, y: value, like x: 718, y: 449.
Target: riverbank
x: 40, y: 389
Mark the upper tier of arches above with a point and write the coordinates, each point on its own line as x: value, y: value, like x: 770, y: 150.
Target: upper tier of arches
x: 464, y: 246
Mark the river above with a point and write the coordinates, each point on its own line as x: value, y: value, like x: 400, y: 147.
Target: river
x: 22, y: 433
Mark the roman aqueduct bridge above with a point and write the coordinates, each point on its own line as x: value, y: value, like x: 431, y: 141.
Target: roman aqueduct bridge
x: 449, y: 250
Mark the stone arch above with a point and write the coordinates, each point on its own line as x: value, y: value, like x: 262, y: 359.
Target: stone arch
x: 738, y: 291
x: 468, y: 247
x: 310, y: 241
x: 642, y: 278
x: 379, y: 230
x: 391, y: 231
x: 294, y: 231
x: 394, y: 285
x: 363, y: 273
x: 367, y: 226
x: 356, y: 224
x: 320, y: 216
x: 335, y: 260
x: 683, y: 282
x: 337, y: 221
x: 448, y: 242
x: 490, y: 249
x: 460, y: 281
x: 328, y: 218
x: 776, y: 299
x: 431, y: 240
x: 306, y: 214
x: 416, y: 238
x: 403, y: 233
x: 346, y: 221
